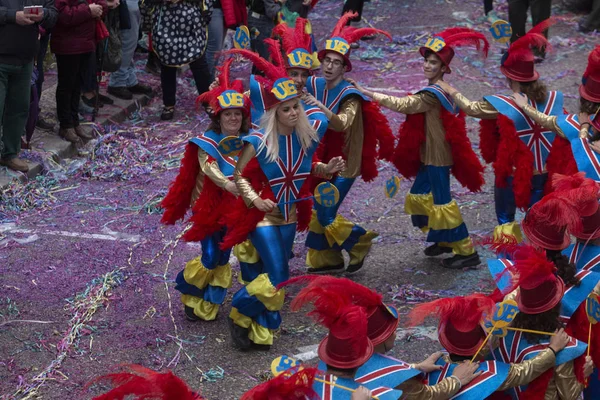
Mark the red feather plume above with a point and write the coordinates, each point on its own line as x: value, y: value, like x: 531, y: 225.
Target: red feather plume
x: 522, y: 47
x: 593, y: 66
x: 211, y: 97
x: 343, y: 22
x: 351, y: 34
x: 555, y: 210
x: 531, y: 267
x: 144, y: 383
x: 581, y: 191
x: 272, y: 71
x: 293, y: 38
x: 459, y: 37
x: 286, y: 387
x: 464, y: 312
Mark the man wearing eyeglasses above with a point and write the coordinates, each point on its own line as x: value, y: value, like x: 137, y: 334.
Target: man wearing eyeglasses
x: 359, y: 133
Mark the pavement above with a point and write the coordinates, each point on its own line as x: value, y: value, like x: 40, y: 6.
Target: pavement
x: 88, y: 269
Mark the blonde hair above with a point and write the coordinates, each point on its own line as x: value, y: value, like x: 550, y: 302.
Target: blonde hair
x: 306, y: 134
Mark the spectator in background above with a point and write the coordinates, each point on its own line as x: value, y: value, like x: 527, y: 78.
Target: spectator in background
x: 302, y: 7
x: 124, y: 83
x: 517, y: 16
x: 73, y: 40
x: 39, y: 65
x: 227, y: 14
x: 592, y: 21
x: 261, y: 19
x: 19, y: 32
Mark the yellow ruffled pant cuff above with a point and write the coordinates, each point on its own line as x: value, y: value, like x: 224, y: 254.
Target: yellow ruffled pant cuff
x: 202, y: 309
x: 256, y: 332
x: 463, y: 247
x: 324, y: 258
x: 266, y: 293
x: 246, y: 252
x: 198, y: 275
x: 361, y: 249
x: 418, y: 204
x: 446, y: 216
x: 509, y: 229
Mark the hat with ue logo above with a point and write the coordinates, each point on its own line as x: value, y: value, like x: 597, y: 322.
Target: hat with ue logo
x: 296, y: 44
x: 227, y: 95
x: 444, y: 42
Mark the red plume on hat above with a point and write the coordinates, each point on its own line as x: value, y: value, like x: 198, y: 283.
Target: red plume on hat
x: 590, y: 87
x: 459, y: 328
x: 144, y: 383
x: 518, y: 61
x: 286, y: 387
x: 224, y: 83
x: 583, y: 192
x: 347, y: 345
x: 294, y: 38
x: 457, y: 37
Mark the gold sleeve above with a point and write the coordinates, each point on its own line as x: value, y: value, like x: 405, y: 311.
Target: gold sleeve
x: 597, y: 288
x: 584, y: 131
x: 413, y: 104
x: 246, y: 191
x: 414, y: 389
x: 319, y: 170
x: 567, y: 385
x: 211, y: 169
x: 546, y: 121
x: 525, y: 372
x: 343, y: 120
x: 477, y: 109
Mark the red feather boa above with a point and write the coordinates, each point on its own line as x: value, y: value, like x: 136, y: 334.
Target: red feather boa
x: 467, y: 168
x: 513, y: 156
x: 560, y: 161
x: 177, y: 201
x: 407, y: 156
x: 536, y: 390
x: 377, y: 133
x: 489, y: 139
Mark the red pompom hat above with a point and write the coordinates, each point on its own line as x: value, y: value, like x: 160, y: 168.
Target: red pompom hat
x: 143, y: 383
x: 227, y: 95
x: 276, y: 86
x: 343, y: 36
x: 347, y: 345
x: 286, y: 387
x: 460, y: 319
x: 382, y: 319
x: 444, y: 42
x: 584, y: 193
x: 296, y: 44
x: 518, y: 62
x: 590, y: 82
x: 546, y: 222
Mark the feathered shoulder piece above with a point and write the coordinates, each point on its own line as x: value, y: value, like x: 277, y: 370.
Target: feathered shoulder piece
x: 286, y: 387
x: 142, y: 383
x: 235, y: 97
x: 463, y: 312
x: 593, y: 66
x: 459, y: 37
x: 351, y: 34
x: 273, y: 71
x: 293, y: 38
x: 522, y: 48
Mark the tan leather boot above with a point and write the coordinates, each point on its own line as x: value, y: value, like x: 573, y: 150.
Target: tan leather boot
x: 16, y: 164
x: 82, y: 133
x: 70, y: 135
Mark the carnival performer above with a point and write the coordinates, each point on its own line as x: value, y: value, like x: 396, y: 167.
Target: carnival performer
x: 461, y: 333
x: 522, y: 152
x: 538, y: 295
x: 270, y: 175
x: 346, y: 347
x: 581, y: 129
x: 360, y: 133
x: 205, y: 183
x: 433, y: 142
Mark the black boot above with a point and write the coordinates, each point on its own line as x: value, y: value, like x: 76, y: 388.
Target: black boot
x: 460, y: 262
x: 190, y: 315
x: 436, y: 250
x: 239, y: 336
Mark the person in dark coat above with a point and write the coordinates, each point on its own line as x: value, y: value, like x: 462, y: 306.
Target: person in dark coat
x: 73, y: 40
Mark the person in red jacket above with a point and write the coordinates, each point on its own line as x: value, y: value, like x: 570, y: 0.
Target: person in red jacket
x: 72, y: 41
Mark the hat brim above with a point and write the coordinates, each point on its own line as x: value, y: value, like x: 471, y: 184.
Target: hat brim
x: 587, y: 95
x: 391, y: 326
x: 506, y: 72
x: 422, y: 51
x: 447, y: 344
x: 546, y: 306
x: 343, y: 364
x: 321, y: 55
x: 541, y: 243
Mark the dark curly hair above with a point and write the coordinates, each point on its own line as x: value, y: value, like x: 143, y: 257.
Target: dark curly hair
x: 588, y: 107
x: 565, y: 270
x: 546, y: 322
x: 215, y: 125
x: 535, y: 90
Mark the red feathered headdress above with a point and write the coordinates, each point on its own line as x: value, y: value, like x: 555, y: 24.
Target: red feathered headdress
x: 590, y: 82
x: 459, y: 328
x: 276, y: 86
x: 343, y: 36
x: 285, y: 387
x: 227, y: 95
x: 144, y: 383
x: 347, y: 345
x: 296, y: 44
x: 518, y: 62
x: 444, y: 42
x: 583, y: 193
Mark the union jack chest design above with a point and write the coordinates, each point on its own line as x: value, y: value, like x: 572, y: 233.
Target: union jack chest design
x: 587, y: 160
x: 538, y: 139
x: 287, y: 174
x: 330, y: 392
x: 575, y: 295
x: 514, y: 348
x: 443, y: 97
x: 381, y: 370
x: 498, y: 270
x: 493, y: 374
x: 209, y: 142
x: 586, y: 257
x: 332, y: 98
